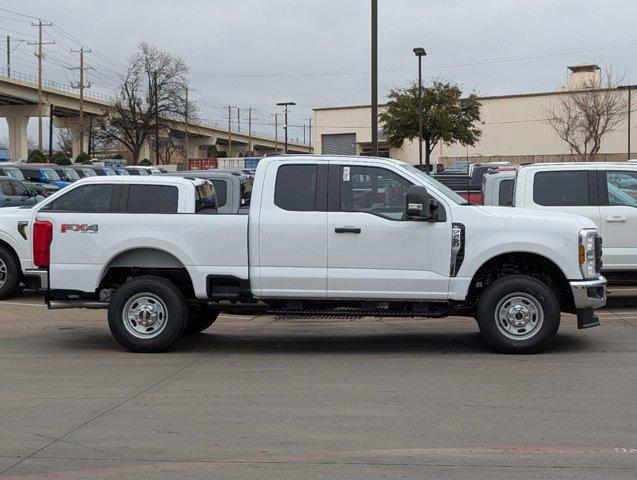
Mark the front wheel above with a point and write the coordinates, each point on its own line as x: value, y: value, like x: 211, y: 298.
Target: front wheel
x: 518, y: 314
x: 147, y: 314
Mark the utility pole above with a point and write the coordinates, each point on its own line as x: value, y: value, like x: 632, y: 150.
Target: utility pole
x: 285, y: 105
x: 375, y: 78
x: 628, y: 88
x: 156, y: 117
x: 420, y: 52
x: 238, y: 119
x: 303, y: 134
x: 39, y: 44
x: 229, y: 131
x: 81, y: 86
x: 310, y: 139
x: 8, y: 56
x: 187, y: 142
x: 276, y: 133
x: 51, y: 109
x: 250, y: 131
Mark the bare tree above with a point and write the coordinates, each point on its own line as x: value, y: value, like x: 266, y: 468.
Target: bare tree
x: 153, y: 86
x: 65, y: 141
x: 583, y: 117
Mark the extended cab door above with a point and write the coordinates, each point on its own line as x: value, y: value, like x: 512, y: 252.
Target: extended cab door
x: 618, y: 208
x: 373, y: 252
x: 291, y: 259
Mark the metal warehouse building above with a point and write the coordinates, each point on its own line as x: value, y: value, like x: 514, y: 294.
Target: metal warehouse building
x: 514, y: 128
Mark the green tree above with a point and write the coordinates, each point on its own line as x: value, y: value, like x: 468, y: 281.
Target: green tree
x: 447, y: 117
x: 60, y: 158
x: 145, y: 162
x: 118, y: 156
x: 36, y: 156
x: 83, y: 158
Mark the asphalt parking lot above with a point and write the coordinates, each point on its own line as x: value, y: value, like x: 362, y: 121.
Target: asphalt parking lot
x: 314, y: 398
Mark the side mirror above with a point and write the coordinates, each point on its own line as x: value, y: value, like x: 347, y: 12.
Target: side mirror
x: 418, y: 203
x: 421, y: 206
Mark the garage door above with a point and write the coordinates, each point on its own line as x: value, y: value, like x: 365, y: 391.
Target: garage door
x: 339, y: 144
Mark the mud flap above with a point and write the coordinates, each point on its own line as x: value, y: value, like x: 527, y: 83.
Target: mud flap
x: 586, y: 318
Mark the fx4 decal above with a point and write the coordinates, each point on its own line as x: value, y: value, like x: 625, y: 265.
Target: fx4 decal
x: 79, y: 227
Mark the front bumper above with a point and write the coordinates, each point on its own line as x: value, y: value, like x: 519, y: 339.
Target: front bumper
x: 589, y: 293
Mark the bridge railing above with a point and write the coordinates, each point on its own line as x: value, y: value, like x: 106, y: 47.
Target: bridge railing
x: 50, y: 84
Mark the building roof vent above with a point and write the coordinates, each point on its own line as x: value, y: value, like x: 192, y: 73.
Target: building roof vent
x: 583, y: 76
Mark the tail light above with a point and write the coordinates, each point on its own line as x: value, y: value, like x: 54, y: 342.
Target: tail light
x: 42, y: 237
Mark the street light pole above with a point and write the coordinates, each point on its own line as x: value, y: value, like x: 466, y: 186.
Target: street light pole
x: 285, y: 126
x: 420, y: 52
x: 374, y: 78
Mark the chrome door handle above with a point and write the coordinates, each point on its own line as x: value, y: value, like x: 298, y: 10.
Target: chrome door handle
x: 347, y: 230
x: 616, y: 219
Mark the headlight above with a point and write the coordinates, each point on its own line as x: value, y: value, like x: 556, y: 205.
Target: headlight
x: 587, y: 253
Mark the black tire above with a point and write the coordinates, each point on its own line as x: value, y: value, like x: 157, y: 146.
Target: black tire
x: 200, y: 318
x: 509, y: 302
x: 161, y: 295
x: 9, y: 274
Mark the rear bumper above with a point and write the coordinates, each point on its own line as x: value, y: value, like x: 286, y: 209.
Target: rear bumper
x: 589, y: 293
x: 36, y: 279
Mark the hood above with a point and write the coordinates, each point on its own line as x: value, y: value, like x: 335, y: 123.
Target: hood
x: 542, y: 215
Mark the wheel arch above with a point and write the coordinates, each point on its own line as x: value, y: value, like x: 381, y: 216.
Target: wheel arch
x: 521, y: 262
x: 139, y: 261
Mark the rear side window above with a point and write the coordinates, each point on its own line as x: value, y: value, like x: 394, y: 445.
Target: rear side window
x: 205, y: 198
x: 84, y: 199
x: 152, y: 199
x: 295, y: 188
x: 506, y: 193
x: 221, y: 187
x: 561, y: 189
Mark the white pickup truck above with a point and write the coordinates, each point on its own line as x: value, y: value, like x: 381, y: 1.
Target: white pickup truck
x: 324, y: 235
x: 606, y: 193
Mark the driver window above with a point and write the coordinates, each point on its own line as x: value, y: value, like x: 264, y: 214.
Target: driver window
x: 373, y: 190
x: 622, y: 188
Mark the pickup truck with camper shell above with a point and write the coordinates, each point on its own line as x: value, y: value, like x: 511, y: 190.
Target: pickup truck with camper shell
x: 604, y: 192
x: 325, y: 235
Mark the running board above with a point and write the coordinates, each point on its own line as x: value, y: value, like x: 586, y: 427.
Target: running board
x: 64, y: 304
x: 354, y: 313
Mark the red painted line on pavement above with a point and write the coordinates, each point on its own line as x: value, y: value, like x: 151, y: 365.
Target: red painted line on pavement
x: 307, y: 457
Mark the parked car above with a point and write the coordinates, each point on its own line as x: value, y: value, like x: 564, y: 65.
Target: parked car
x: 83, y: 171
x: 42, y: 173
x: 143, y: 170
x: 606, y: 193
x: 469, y: 186
x: 121, y: 171
x: 497, y: 188
x: 102, y: 171
x: 14, y: 193
x: 66, y: 173
x: 324, y: 236
x: 42, y: 189
x: 233, y: 192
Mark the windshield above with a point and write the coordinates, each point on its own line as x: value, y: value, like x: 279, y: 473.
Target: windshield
x: 109, y: 171
x: 458, y: 167
x: 427, y: 180
x: 50, y: 174
x: 13, y: 173
x: 70, y: 174
x: 88, y: 172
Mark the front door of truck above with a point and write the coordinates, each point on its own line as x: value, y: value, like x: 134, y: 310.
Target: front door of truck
x: 618, y: 208
x: 373, y: 252
x: 291, y: 260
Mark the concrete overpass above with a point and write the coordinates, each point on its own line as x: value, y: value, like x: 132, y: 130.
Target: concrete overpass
x: 19, y: 102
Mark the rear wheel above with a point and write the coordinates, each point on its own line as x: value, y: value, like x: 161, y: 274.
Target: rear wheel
x: 200, y: 318
x: 147, y: 314
x: 518, y: 314
x: 9, y: 274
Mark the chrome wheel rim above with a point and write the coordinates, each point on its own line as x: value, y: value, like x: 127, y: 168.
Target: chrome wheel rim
x: 3, y: 272
x: 145, y: 315
x: 519, y: 316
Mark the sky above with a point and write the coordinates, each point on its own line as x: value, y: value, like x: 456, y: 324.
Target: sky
x: 255, y: 53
